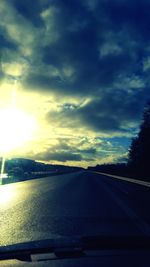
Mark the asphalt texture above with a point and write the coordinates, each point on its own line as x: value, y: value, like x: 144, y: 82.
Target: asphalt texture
x: 77, y: 204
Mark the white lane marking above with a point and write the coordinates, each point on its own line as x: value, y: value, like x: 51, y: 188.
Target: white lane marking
x: 140, y: 182
x: 143, y: 226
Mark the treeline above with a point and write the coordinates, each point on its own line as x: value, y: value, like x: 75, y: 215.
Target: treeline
x: 116, y: 169
x: 20, y: 169
x: 139, y: 152
x: 138, y: 164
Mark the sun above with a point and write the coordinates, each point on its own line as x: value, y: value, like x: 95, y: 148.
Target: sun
x: 16, y: 128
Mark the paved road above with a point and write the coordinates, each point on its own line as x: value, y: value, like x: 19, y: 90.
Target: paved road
x: 82, y: 203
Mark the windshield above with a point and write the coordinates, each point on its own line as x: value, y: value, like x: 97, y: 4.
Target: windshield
x: 75, y: 119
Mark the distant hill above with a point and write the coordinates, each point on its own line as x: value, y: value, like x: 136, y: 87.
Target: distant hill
x: 20, y: 169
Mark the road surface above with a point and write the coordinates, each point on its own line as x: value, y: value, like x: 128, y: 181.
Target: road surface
x: 81, y: 203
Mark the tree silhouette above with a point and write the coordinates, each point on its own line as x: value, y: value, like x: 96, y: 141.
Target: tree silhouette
x: 139, y: 153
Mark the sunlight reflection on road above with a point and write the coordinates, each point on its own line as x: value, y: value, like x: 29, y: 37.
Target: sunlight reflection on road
x: 6, y: 194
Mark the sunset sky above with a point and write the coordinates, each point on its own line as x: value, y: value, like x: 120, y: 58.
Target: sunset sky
x: 81, y: 70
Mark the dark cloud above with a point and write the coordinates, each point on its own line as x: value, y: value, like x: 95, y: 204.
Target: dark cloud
x: 82, y: 44
x: 67, y: 150
x: 94, y: 51
x: 30, y: 11
x: 116, y: 111
x: 5, y: 43
x: 134, y: 15
x: 122, y: 159
x: 96, y: 45
x: 58, y: 156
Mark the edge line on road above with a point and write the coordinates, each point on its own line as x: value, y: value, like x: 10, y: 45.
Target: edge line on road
x: 141, y: 224
x: 140, y: 182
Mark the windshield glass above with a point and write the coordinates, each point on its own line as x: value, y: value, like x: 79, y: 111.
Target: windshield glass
x: 75, y: 119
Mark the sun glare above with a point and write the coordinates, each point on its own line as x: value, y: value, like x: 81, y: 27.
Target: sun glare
x: 16, y: 127
x: 6, y: 194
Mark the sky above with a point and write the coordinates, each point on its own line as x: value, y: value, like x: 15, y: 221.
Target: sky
x: 81, y: 69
